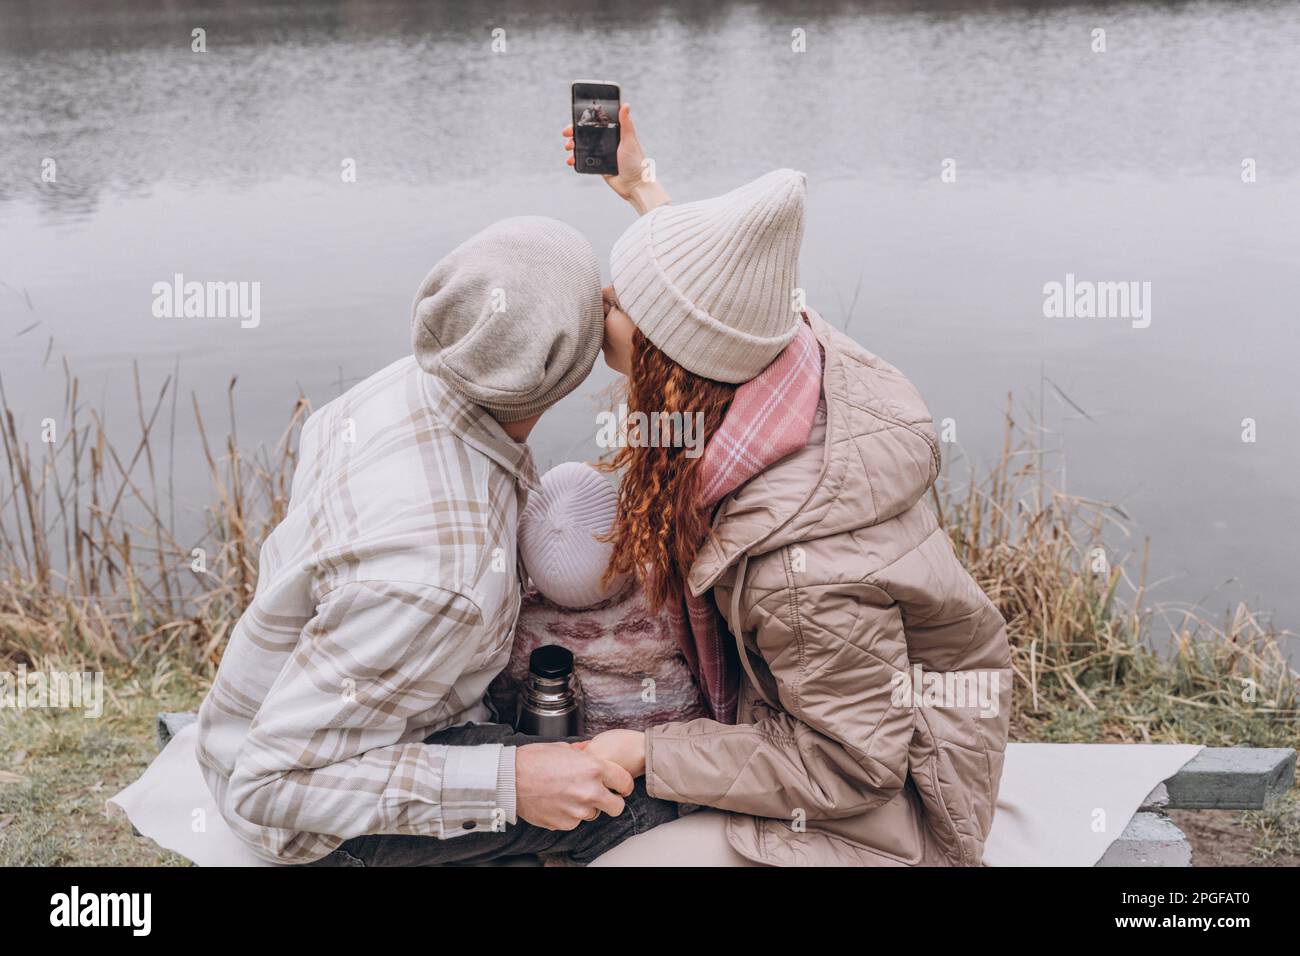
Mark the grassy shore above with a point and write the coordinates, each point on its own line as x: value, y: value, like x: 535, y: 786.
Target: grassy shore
x: 94, y: 576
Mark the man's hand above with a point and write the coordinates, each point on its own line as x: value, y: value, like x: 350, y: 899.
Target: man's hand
x: 635, y: 181
x: 623, y: 747
x: 557, y: 786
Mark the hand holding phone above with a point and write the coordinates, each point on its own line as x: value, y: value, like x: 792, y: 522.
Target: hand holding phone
x: 633, y: 178
x: 595, y: 127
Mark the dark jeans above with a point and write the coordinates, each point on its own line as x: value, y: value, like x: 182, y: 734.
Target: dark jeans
x: 583, y: 844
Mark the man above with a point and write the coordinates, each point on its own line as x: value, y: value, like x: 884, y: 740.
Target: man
x: 347, y: 723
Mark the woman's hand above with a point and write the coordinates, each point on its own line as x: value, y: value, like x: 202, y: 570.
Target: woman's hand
x: 623, y: 747
x: 636, y: 181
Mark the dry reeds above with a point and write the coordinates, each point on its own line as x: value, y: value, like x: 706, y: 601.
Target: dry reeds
x: 93, y: 567
x: 1043, y: 557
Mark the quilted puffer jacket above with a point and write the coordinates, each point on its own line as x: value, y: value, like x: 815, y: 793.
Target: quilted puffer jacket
x: 874, y: 712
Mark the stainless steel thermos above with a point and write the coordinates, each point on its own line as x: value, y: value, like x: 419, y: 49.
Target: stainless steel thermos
x: 548, y: 703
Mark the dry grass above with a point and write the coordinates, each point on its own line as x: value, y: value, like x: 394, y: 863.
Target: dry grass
x: 93, y: 573
x: 57, y: 769
x: 1085, y: 641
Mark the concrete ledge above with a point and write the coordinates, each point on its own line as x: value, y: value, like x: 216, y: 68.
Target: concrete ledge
x: 1150, y: 839
x: 1228, y: 778
x: 1157, y: 799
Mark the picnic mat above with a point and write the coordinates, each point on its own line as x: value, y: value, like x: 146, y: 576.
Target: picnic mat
x: 1065, y: 804
x: 170, y: 804
x: 1058, y: 805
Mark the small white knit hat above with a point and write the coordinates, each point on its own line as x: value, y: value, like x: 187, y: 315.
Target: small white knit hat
x: 558, y: 536
x: 711, y: 283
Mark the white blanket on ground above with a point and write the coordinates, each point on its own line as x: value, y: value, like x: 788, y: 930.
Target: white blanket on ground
x: 171, y: 805
x: 1065, y: 804
x: 1058, y: 805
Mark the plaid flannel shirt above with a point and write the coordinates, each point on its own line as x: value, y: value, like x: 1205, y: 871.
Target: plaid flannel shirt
x: 386, y: 602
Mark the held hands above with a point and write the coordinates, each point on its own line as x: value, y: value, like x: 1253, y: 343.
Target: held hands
x: 623, y: 747
x: 559, y: 785
x: 635, y: 182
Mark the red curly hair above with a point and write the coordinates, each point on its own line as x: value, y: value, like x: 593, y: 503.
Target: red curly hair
x: 661, y: 522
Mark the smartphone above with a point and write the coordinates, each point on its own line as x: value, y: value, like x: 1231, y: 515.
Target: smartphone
x: 595, y: 127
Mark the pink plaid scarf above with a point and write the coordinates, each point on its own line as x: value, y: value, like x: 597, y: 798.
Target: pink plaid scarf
x: 770, y: 417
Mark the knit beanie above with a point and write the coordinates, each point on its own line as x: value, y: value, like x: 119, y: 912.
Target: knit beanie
x: 558, y: 532
x: 711, y: 283
x: 512, y: 318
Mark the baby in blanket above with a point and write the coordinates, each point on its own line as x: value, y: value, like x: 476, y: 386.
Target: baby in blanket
x: 629, y: 665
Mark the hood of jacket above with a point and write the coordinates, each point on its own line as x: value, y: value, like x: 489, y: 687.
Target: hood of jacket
x: 880, y: 457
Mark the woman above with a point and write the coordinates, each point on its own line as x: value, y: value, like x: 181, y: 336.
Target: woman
x: 858, y: 680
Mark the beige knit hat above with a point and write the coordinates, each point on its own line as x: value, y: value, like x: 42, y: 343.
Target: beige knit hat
x: 559, y: 534
x: 512, y: 318
x: 711, y: 283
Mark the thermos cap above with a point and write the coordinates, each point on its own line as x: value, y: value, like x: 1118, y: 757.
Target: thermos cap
x: 551, y: 662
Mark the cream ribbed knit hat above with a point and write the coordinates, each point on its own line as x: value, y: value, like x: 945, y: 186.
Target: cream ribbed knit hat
x: 711, y: 283
x: 558, y: 532
x: 512, y: 318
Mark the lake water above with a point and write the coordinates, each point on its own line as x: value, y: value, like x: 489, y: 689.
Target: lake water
x: 1110, y: 166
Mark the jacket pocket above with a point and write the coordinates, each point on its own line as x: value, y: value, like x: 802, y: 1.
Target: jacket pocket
x: 926, y: 777
x: 890, y: 833
x: 944, y: 786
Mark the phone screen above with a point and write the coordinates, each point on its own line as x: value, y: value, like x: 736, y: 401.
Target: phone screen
x: 595, y: 127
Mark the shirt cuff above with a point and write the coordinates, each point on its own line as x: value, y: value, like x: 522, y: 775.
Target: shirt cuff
x: 471, y: 790
x: 506, y: 801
